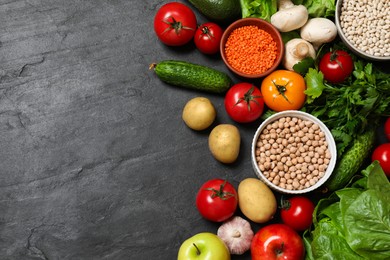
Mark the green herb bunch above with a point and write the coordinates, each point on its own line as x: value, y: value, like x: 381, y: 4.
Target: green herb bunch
x: 350, y: 108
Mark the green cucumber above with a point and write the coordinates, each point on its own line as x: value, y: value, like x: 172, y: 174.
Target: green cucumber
x: 192, y: 76
x: 219, y: 10
x: 351, y: 161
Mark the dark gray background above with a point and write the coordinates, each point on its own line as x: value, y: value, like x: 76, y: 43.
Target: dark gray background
x: 95, y: 161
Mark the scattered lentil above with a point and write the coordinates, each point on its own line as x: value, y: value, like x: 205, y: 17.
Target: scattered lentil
x: 250, y: 50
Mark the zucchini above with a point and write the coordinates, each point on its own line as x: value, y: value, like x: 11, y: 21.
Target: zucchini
x: 192, y: 76
x: 351, y: 161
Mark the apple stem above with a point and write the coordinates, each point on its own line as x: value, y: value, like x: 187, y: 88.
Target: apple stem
x: 279, y: 251
x: 197, y: 249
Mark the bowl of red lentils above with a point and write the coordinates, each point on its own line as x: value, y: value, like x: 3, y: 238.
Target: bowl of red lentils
x: 251, y: 47
x: 293, y: 152
x: 364, y: 27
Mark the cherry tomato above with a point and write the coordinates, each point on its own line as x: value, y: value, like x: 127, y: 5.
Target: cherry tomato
x: 175, y: 24
x: 284, y: 90
x: 387, y: 128
x: 336, y: 66
x: 217, y: 200
x: 382, y: 154
x: 244, y: 102
x: 297, y: 212
x: 208, y: 37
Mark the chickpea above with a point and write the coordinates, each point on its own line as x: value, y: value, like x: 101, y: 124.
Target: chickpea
x: 292, y: 153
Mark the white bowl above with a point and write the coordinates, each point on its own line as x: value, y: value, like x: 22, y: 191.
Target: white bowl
x: 349, y: 44
x: 329, y: 139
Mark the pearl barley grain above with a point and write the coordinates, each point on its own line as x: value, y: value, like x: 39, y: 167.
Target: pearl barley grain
x: 366, y: 25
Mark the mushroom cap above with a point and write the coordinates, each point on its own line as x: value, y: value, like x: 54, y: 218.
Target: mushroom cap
x: 296, y: 50
x: 290, y: 19
x: 319, y: 30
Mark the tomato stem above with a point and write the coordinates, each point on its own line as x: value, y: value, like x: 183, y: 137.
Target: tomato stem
x: 334, y: 57
x: 282, y: 89
x: 208, y: 32
x: 176, y: 25
x: 223, y: 195
x: 248, y: 97
x: 285, y: 204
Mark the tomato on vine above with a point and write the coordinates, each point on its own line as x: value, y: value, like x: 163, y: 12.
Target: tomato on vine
x: 244, y: 102
x: 175, y: 24
x: 217, y: 200
x: 284, y: 90
x: 336, y: 66
x: 297, y: 212
x: 208, y: 37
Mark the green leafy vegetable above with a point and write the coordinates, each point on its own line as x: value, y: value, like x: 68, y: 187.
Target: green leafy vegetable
x: 258, y: 8
x: 318, y: 8
x: 349, y: 108
x: 304, y: 65
x: 354, y: 222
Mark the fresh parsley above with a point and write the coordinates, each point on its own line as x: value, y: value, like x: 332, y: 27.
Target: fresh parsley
x: 348, y: 109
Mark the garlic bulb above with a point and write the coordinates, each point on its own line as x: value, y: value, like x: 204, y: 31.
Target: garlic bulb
x: 237, y: 234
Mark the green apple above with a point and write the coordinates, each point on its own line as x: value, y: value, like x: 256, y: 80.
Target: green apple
x: 203, y: 246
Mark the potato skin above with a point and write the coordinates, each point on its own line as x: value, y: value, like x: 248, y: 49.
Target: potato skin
x: 224, y: 143
x: 256, y: 200
x: 199, y: 113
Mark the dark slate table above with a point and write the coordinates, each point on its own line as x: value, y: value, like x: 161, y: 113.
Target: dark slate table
x: 95, y: 160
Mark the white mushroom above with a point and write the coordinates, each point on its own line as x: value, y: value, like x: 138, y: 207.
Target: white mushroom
x: 237, y: 234
x: 296, y: 50
x: 289, y: 17
x: 318, y: 31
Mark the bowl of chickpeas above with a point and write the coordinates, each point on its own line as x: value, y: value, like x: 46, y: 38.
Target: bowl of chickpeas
x: 293, y: 152
x: 364, y: 27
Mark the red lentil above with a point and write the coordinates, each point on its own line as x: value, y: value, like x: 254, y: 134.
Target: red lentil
x: 250, y: 50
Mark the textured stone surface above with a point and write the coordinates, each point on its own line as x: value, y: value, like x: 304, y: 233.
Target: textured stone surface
x: 95, y: 161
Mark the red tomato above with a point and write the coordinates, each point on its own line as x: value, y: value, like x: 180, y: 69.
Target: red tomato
x: 336, y: 66
x: 387, y: 128
x: 382, y: 154
x: 277, y: 241
x: 217, y: 200
x: 208, y: 37
x: 297, y: 212
x: 244, y: 103
x: 284, y: 90
x: 175, y: 24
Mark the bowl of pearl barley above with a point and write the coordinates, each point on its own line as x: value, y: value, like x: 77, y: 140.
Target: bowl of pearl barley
x: 364, y: 27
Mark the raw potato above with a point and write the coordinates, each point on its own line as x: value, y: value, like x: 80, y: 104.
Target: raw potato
x: 224, y: 143
x: 256, y: 200
x: 199, y: 113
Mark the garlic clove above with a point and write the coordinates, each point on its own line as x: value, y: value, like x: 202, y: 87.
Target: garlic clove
x: 237, y: 234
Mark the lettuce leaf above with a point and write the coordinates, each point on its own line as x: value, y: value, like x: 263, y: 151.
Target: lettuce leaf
x: 357, y: 224
x: 367, y: 225
x: 258, y: 8
x: 318, y: 8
